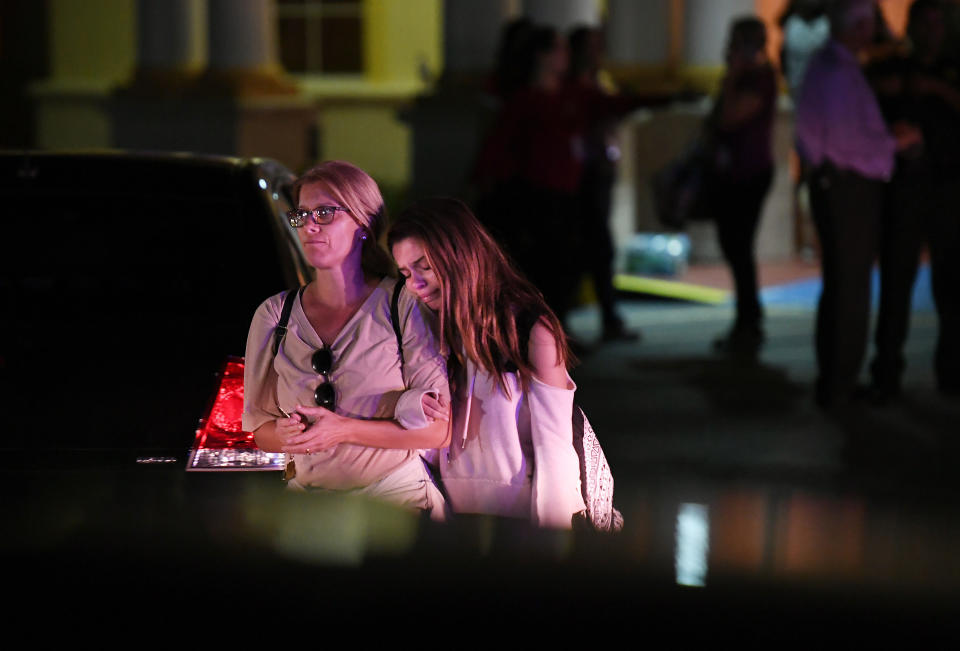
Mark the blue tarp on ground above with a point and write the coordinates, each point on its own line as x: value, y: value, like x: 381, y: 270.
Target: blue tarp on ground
x: 805, y: 293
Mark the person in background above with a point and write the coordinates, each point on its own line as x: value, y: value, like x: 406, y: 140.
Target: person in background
x: 600, y: 155
x: 740, y: 127
x: 335, y: 395
x: 805, y: 29
x: 528, y: 172
x: 511, y: 452
x: 921, y: 203
x: 844, y: 141
x: 511, y: 70
x: 883, y: 44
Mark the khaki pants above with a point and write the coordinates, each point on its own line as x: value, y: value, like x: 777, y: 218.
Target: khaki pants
x: 410, y: 486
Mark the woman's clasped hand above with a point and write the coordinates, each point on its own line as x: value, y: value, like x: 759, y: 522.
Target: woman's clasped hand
x: 313, y: 429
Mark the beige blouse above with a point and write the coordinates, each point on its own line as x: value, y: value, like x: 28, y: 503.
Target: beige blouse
x: 367, y: 375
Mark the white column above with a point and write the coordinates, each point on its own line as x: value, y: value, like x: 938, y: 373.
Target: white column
x: 243, y: 35
x: 237, y: 104
x: 707, y: 23
x: 243, y: 58
x: 171, y: 35
x: 563, y: 14
x: 638, y: 32
x: 471, y: 33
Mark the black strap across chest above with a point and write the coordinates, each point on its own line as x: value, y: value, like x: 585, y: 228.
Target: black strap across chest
x: 281, y: 330
x: 395, y: 316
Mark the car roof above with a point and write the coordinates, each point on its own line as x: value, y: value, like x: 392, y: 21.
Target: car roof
x: 134, y: 171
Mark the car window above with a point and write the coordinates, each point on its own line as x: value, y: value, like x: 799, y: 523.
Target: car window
x: 178, y: 267
x: 123, y: 290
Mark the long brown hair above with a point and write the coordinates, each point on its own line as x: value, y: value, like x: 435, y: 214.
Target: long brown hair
x: 483, y: 294
x: 356, y: 191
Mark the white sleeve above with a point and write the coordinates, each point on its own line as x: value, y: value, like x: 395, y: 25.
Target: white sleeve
x: 259, y: 399
x: 424, y: 368
x: 556, y: 468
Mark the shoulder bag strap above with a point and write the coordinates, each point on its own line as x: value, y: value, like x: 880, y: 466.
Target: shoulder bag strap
x: 281, y: 328
x: 395, y: 316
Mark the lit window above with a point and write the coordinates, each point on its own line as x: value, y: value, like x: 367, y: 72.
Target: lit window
x: 321, y: 36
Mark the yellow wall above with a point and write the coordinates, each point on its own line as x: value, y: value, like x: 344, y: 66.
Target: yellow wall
x: 358, y: 120
x: 369, y: 136
x: 98, y: 39
x: 93, y: 49
x: 73, y: 119
x: 401, y: 36
x: 92, y: 39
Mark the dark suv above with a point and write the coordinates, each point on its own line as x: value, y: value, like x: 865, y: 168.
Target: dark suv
x: 128, y: 281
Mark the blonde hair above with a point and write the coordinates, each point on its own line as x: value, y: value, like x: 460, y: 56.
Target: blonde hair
x: 484, y: 298
x: 356, y: 191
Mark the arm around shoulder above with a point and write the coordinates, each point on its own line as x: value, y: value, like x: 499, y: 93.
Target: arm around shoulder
x: 424, y: 372
x: 328, y: 429
x: 424, y: 367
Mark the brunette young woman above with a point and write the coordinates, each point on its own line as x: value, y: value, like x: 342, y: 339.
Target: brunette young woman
x: 336, y: 396
x: 511, y: 452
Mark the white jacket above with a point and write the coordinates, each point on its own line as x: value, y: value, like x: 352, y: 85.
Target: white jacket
x: 513, y: 455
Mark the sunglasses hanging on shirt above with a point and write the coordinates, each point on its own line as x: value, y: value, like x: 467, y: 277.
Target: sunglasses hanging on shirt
x: 325, y: 394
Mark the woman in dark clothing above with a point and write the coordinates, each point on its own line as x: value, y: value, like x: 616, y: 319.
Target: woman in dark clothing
x: 529, y: 172
x: 531, y: 166
x: 921, y: 204
x: 740, y: 127
x: 600, y: 155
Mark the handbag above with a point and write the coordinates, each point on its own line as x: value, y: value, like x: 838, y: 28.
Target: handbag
x: 596, y: 479
x: 679, y: 187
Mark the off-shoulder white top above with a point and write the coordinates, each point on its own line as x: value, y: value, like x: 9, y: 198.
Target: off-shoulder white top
x: 513, y: 455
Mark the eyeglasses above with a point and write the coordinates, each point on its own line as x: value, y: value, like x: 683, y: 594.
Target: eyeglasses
x: 325, y: 395
x: 321, y: 215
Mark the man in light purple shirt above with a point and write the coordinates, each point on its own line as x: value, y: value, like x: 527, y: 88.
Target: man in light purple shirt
x: 838, y: 119
x: 842, y: 138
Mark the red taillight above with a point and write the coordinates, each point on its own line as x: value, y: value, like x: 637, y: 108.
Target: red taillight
x: 221, y: 443
x: 220, y: 427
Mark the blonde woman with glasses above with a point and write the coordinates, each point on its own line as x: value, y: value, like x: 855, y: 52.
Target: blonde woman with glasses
x: 338, y: 395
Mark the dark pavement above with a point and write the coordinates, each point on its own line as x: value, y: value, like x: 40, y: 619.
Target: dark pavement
x: 750, y: 516
x: 727, y: 466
